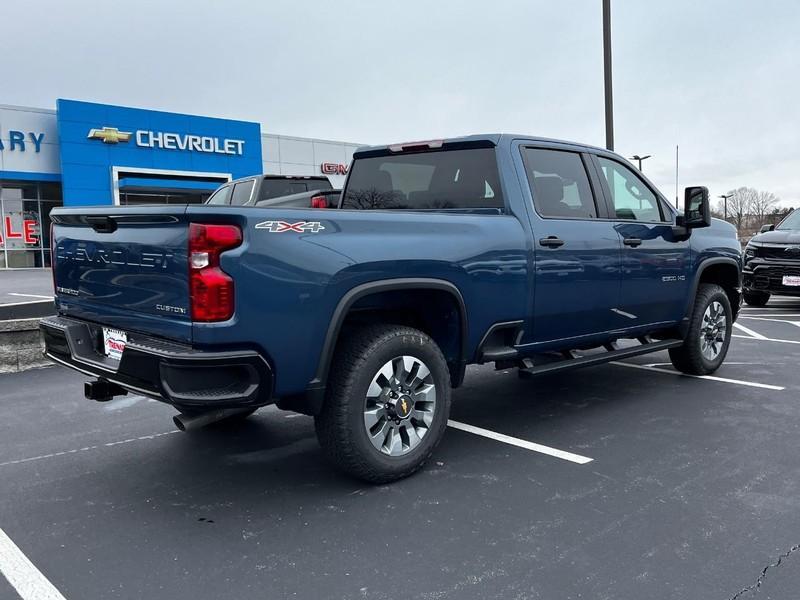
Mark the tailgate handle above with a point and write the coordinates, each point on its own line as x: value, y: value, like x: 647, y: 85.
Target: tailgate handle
x: 102, y: 224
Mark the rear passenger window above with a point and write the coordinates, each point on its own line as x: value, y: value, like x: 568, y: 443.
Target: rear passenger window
x: 220, y: 196
x: 559, y: 184
x: 242, y: 192
x: 633, y: 200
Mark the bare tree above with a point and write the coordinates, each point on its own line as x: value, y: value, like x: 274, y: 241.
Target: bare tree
x: 739, y: 206
x: 761, y: 205
x: 748, y: 205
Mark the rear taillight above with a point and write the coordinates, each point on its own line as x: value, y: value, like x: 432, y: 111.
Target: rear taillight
x: 210, y: 288
x: 319, y: 202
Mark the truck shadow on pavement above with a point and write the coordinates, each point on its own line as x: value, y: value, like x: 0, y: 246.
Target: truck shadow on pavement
x: 275, y: 453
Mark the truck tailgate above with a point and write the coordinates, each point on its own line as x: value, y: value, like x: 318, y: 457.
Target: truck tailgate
x: 124, y: 267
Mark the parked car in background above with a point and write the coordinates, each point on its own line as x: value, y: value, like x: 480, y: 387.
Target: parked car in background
x: 523, y: 252
x: 772, y: 262
x: 247, y: 191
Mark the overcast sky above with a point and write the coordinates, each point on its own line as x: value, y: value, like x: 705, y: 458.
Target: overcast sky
x: 719, y: 78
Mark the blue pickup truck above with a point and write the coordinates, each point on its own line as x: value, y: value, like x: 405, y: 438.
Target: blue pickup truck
x: 523, y: 252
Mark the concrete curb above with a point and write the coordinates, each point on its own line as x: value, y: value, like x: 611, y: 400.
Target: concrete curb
x: 21, y: 346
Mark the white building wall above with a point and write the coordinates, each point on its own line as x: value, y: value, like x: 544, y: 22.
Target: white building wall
x: 287, y: 155
x: 29, y: 120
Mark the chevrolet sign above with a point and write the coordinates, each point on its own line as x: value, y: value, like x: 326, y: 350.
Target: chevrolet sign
x: 109, y: 135
x: 169, y: 141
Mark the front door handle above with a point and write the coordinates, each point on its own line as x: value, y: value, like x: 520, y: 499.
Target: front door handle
x: 632, y: 242
x: 551, y: 241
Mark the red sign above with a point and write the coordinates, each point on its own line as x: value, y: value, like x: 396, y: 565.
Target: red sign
x: 333, y: 169
x: 28, y: 233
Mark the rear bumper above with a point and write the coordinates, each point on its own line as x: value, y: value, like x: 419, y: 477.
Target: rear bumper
x: 174, y: 373
x: 765, y: 276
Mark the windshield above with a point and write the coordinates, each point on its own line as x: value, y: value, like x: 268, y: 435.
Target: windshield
x: 790, y: 222
x: 425, y: 181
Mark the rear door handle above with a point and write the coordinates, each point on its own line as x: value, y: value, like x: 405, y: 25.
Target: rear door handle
x: 551, y: 241
x: 632, y: 242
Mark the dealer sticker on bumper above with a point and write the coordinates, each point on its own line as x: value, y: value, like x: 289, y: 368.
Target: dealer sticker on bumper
x: 114, y: 342
x: 791, y: 280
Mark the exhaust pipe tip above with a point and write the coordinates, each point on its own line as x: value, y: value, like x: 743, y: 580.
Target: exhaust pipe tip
x: 187, y: 422
x: 178, y: 420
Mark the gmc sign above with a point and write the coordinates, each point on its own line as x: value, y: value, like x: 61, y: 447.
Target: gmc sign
x: 333, y: 169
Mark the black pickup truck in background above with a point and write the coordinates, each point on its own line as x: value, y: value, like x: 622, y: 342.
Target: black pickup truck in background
x: 772, y: 262
x: 271, y: 190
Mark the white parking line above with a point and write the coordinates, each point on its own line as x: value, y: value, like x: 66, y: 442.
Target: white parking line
x: 31, y: 296
x: 766, y: 339
x: 775, y: 320
x: 750, y: 332
x: 507, y: 439
x: 24, y: 302
x: 23, y: 575
x: 764, y: 386
x: 141, y: 438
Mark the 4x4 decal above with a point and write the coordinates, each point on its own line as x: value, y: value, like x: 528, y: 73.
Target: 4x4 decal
x: 283, y: 226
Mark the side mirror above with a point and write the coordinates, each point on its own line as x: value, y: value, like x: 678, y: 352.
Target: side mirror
x: 766, y: 228
x: 696, y: 207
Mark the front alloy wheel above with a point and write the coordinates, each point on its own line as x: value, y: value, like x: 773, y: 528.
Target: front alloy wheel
x: 712, y: 331
x: 400, y: 405
x: 708, y: 335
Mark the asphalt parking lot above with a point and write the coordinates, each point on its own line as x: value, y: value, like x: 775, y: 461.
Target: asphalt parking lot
x: 26, y: 293
x: 692, y: 490
x: 25, y: 285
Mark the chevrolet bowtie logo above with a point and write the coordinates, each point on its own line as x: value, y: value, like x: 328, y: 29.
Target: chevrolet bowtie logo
x: 109, y: 135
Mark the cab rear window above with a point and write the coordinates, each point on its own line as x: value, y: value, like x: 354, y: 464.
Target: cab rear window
x: 275, y: 188
x: 449, y: 179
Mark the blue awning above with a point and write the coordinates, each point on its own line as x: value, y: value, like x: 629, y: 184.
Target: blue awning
x: 154, y: 183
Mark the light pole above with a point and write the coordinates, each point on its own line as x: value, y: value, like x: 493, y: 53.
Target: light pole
x: 607, y: 74
x: 639, y: 159
x: 725, y: 204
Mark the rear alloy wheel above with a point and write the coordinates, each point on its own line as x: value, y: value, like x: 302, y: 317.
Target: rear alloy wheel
x: 400, y: 405
x: 709, y: 334
x: 386, y: 404
x: 756, y: 298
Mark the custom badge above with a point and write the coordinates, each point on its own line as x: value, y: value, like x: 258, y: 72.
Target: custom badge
x: 284, y: 226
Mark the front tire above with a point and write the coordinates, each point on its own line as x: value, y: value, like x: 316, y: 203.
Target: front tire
x: 387, y: 403
x: 756, y: 298
x: 709, y: 335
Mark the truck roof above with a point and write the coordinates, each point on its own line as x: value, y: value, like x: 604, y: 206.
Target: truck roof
x: 492, y: 139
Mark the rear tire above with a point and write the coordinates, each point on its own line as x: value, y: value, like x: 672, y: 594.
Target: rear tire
x: 386, y: 404
x: 756, y: 298
x: 709, y: 335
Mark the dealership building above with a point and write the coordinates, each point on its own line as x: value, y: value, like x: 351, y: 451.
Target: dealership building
x: 88, y: 154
